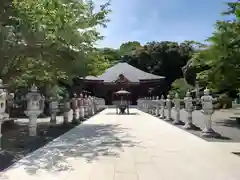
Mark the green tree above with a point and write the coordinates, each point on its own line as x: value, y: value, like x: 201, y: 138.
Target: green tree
x: 218, y: 64
x: 111, y: 55
x: 51, y: 37
x: 162, y: 58
x: 179, y: 86
x: 129, y: 47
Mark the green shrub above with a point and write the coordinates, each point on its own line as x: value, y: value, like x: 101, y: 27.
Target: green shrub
x: 224, y: 102
x: 179, y: 86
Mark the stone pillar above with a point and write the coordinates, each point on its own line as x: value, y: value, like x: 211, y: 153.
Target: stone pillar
x: 147, y: 104
x: 157, y: 113
x: 74, y: 104
x: 90, y: 106
x: 93, y: 105
x: 189, y: 109
x: 10, y: 102
x: 81, y: 107
x: 33, y: 109
x: 153, y: 110
x: 162, y: 104
x: 169, y: 108
x: 116, y: 109
x: 53, y: 110
x: 3, y: 115
x: 66, y: 110
x: 86, y: 106
x: 207, y: 105
x: 177, y: 107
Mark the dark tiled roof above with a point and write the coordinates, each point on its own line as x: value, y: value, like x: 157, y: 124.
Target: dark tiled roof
x: 131, y: 73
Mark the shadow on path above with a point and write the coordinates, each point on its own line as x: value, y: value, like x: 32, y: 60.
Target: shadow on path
x: 88, y: 141
x: 16, y: 143
x: 227, y: 123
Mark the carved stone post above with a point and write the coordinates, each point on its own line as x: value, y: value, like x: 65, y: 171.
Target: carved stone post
x: 145, y: 104
x: 157, y: 113
x: 149, y: 105
x: 162, y: 104
x: 66, y: 110
x: 177, y: 107
x: 86, y: 106
x: 169, y: 108
x: 33, y: 109
x: 53, y: 111
x: 74, y: 103
x: 93, y: 105
x: 3, y: 115
x: 153, y: 110
x: 90, y: 106
x: 207, y: 104
x: 81, y: 107
x: 189, y: 109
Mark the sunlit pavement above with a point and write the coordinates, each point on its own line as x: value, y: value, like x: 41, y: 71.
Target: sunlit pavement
x: 127, y: 147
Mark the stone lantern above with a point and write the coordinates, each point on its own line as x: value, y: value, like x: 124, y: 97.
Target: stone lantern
x: 89, y: 100
x: 157, y: 112
x: 189, y: 109
x: 86, y: 106
x: 169, y: 108
x: 66, y: 109
x: 3, y: 100
x: 162, y: 104
x: 3, y: 114
x: 33, y: 109
x: 75, y: 108
x: 81, y: 107
x: 54, y: 110
x: 208, y: 111
x: 177, y: 107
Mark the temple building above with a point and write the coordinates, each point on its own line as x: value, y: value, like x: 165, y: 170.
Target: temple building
x: 119, y: 76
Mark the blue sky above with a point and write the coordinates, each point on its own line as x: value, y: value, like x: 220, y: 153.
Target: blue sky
x: 160, y: 20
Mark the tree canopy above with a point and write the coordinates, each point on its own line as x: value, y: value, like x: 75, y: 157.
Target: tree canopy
x: 218, y: 65
x: 43, y: 40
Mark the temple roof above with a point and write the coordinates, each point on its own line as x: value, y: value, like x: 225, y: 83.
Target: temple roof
x: 129, y: 72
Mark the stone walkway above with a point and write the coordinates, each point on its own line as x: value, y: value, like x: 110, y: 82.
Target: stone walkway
x: 127, y: 147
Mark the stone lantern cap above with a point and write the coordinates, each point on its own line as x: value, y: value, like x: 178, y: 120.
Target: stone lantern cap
x: 33, y: 94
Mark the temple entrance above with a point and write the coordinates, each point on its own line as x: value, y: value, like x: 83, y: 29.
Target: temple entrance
x: 117, y: 77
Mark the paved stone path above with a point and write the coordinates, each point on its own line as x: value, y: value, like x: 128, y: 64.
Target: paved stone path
x: 127, y: 147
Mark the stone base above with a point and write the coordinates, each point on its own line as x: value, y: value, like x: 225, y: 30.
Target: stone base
x: 210, y: 133
x: 53, y: 123
x: 169, y: 119
x: 81, y: 119
x: 162, y: 117
x: 178, y: 122
x: 76, y: 121
x: 189, y: 126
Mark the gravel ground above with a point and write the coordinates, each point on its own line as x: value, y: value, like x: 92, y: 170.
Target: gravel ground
x: 222, y: 124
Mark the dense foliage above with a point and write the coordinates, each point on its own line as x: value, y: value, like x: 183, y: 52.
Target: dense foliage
x: 164, y: 58
x: 218, y: 65
x: 42, y: 41
x: 47, y: 41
